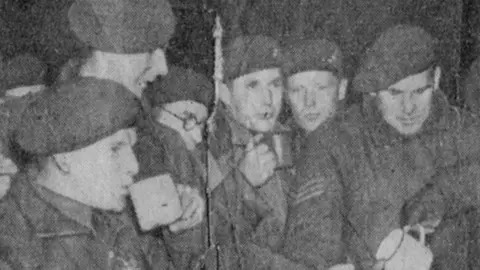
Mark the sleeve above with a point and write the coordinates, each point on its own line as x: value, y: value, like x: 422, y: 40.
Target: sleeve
x: 314, y: 224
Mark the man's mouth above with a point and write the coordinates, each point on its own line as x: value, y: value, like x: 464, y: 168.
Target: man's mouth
x: 312, y: 116
x: 265, y: 115
x: 408, y: 121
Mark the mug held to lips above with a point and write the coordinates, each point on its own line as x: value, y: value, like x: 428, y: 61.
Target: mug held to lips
x: 156, y: 202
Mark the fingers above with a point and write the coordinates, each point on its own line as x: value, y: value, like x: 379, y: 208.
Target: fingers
x: 253, y: 142
x: 193, y: 209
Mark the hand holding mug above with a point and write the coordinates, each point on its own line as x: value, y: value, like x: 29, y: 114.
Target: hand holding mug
x: 193, y: 209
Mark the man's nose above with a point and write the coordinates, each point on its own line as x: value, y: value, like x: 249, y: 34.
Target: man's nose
x: 267, y: 96
x: 310, y: 99
x: 408, y: 104
x: 130, y: 162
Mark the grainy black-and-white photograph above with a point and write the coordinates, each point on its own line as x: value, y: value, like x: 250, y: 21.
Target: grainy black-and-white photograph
x: 239, y: 135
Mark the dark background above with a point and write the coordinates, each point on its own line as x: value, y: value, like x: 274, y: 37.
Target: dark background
x: 41, y: 28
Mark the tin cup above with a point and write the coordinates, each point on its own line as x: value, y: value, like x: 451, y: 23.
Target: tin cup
x: 400, y: 251
x: 156, y: 202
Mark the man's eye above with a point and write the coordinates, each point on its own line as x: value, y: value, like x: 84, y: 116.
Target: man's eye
x: 252, y: 85
x: 422, y: 90
x: 394, y: 92
x: 277, y: 83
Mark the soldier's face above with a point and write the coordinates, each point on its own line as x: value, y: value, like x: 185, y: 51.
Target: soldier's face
x: 406, y: 104
x: 256, y: 99
x: 313, y: 97
x: 104, y: 170
x: 143, y: 68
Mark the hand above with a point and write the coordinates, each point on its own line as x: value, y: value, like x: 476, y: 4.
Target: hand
x: 259, y: 162
x: 426, y: 208
x: 193, y: 207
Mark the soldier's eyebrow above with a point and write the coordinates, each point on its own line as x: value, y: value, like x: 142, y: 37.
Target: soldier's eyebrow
x: 392, y: 89
x: 252, y: 83
x: 423, y: 88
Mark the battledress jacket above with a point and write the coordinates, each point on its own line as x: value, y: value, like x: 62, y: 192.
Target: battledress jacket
x: 40, y: 229
x: 161, y: 150
x: 356, y: 176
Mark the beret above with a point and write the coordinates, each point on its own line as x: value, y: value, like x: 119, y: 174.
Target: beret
x: 75, y: 115
x: 123, y: 26
x: 181, y: 84
x: 399, y: 52
x: 312, y: 54
x: 22, y: 70
x: 247, y: 54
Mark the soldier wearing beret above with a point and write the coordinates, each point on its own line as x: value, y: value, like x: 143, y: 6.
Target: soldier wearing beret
x: 387, y: 153
x: 125, y: 40
x: 173, y: 144
x: 20, y: 78
x: 248, y: 197
x: 315, y: 85
x: 68, y: 213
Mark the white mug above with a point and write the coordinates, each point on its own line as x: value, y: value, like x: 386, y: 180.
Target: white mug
x: 400, y: 251
x: 156, y: 201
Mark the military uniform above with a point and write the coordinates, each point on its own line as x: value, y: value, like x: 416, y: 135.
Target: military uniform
x: 353, y: 184
x: 160, y: 149
x: 41, y: 229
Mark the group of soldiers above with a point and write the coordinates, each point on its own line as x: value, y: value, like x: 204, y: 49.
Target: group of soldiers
x: 119, y: 114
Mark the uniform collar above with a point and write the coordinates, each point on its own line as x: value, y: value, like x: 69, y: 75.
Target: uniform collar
x: 50, y: 214
x: 71, y: 209
x: 440, y: 119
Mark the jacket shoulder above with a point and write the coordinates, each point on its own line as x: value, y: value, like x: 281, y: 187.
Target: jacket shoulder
x: 19, y: 248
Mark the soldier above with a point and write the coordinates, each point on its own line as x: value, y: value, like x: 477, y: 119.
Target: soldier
x: 21, y: 78
x: 315, y: 85
x: 68, y: 212
x: 173, y: 144
x: 249, y: 201
x: 125, y: 40
x: 353, y: 184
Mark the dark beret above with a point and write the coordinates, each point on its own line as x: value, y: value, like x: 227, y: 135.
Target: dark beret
x: 22, y: 70
x: 123, y: 26
x: 247, y: 54
x: 313, y: 54
x: 399, y: 52
x: 75, y: 115
x: 181, y: 84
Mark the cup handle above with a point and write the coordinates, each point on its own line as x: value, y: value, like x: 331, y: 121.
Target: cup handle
x: 419, y: 228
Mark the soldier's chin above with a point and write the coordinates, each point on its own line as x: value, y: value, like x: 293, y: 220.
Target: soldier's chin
x: 263, y: 125
x: 409, y: 129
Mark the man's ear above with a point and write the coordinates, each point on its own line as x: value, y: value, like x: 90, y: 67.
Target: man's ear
x: 436, y: 77
x: 62, y: 161
x: 224, y: 94
x: 342, y: 89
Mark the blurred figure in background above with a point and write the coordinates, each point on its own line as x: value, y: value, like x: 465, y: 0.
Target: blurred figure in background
x: 174, y: 143
x: 20, y: 80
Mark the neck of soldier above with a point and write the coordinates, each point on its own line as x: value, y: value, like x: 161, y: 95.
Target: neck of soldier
x: 59, y: 182
x: 113, y: 72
